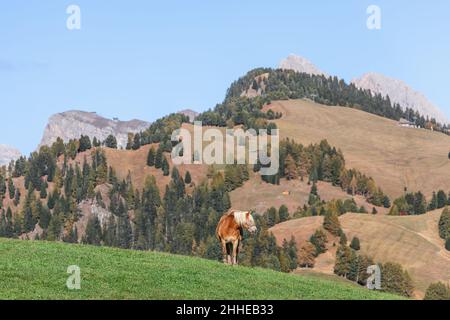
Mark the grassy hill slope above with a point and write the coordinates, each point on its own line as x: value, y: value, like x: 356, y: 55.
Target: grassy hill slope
x: 394, y: 156
x: 412, y: 241
x: 37, y: 270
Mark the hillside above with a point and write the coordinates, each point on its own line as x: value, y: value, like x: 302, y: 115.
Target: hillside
x: 394, y: 156
x: 260, y: 196
x: 412, y: 241
x: 37, y: 270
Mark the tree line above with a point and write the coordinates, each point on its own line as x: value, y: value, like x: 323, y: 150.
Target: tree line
x: 322, y: 162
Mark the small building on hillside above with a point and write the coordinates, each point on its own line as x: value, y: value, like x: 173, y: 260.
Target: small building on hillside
x: 406, y: 123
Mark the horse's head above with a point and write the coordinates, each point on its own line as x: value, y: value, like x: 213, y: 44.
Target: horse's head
x: 249, y: 223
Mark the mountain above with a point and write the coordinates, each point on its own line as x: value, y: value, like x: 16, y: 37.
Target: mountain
x: 300, y: 64
x: 7, y: 154
x: 399, y: 92
x: 72, y: 124
x: 189, y: 113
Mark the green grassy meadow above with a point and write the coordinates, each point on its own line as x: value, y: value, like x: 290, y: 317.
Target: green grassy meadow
x: 38, y: 270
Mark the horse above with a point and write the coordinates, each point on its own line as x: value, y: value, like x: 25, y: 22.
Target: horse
x: 229, y: 232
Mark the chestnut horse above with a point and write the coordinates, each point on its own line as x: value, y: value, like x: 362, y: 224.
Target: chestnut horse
x: 229, y: 233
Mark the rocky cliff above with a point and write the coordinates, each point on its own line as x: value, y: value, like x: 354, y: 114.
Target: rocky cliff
x: 72, y: 124
x: 7, y: 154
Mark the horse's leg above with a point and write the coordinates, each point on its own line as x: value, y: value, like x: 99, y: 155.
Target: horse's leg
x: 229, y: 253
x: 224, y: 251
x: 235, y: 250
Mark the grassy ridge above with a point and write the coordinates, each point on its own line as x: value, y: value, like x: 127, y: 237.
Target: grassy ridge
x: 37, y: 270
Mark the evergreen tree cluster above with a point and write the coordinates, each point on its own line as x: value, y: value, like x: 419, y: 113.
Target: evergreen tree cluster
x: 263, y: 251
x: 287, y: 84
x: 353, y: 266
x: 437, y: 291
x: 158, y: 160
x: 159, y: 131
x: 321, y: 162
x: 415, y: 203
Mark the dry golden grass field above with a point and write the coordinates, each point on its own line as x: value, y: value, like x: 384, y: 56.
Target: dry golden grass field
x: 395, y: 157
x: 412, y: 241
x: 258, y: 195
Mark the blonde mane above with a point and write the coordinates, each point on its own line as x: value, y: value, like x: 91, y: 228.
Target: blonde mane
x: 240, y: 217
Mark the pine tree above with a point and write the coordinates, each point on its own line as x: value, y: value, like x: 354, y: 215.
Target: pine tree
x: 396, y: 280
x: 319, y: 240
x: 343, y: 261
x: 444, y: 224
x: 441, y: 199
x: 331, y: 224
x: 54, y: 228
x: 84, y: 144
x: 165, y: 166
x: 290, y: 168
x: 11, y: 188
x: 159, y: 157
x: 283, y: 213
x: 110, y: 232
x: 93, y: 233
x: 151, y: 157
x: 272, y: 217
x: 187, y: 178
x: 355, y: 244
x: 292, y: 253
x: 111, y: 142
x: 124, y: 233
x: 306, y: 256
x: 437, y: 291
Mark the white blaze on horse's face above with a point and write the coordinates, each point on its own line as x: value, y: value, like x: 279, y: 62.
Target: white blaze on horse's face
x: 250, y: 223
x: 245, y: 220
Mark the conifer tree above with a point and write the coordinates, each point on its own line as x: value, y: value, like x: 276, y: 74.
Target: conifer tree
x: 355, y: 245
x: 283, y: 213
x: 111, y: 142
x: 165, y: 166
x: 343, y: 261
x: 437, y: 291
x: 11, y: 188
x: 319, y: 240
x: 187, y: 178
x: 93, y: 233
x: 331, y: 224
x: 444, y: 224
x: 159, y: 157
x: 151, y: 157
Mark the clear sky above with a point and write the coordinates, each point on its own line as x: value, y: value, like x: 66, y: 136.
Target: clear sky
x: 144, y: 59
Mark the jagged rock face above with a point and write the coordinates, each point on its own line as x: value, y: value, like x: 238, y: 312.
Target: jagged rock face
x: 7, y: 154
x: 300, y: 64
x: 399, y: 92
x: 72, y: 124
x: 189, y: 113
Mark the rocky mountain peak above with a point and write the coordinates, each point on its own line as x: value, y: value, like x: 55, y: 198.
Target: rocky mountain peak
x: 300, y: 64
x: 72, y: 124
x: 401, y: 93
x: 7, y: 154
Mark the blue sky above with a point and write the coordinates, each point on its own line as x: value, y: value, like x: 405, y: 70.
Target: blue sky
x: 144, y: 59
